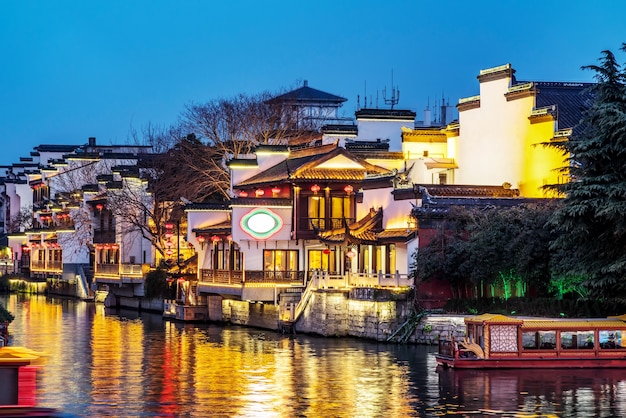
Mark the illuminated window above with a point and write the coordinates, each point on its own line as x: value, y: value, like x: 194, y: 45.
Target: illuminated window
x: 281, y: 262
x: 610, y: 339
x: 320, y: 261
x: 577, y: 340
x: 317, y: 211
x: 544, y: 340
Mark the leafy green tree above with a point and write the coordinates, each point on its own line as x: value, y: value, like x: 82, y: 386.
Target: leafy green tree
x: 592, y: 222
x: 503, y: 247
x: 5, y: 316
x: 157, y: 285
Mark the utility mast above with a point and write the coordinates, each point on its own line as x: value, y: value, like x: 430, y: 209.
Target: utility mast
x: 395, y: 94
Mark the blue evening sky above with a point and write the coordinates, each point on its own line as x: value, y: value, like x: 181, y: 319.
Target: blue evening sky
x: 72, y: 69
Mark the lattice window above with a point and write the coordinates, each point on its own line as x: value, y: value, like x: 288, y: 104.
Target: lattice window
x: 503, y: 338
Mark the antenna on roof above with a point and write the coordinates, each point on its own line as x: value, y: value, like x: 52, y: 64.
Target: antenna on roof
x: 395, y: 94
x: 365, y: 93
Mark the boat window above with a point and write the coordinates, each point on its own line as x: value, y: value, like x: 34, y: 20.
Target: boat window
x: 577, y: 340
x: 545, y: 340
x: 610, y: 339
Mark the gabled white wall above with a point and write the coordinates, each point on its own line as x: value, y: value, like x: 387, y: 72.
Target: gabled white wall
x: 491, y: 139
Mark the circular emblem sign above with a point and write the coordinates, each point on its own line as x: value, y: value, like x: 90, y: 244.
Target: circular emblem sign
x: 261, y: 223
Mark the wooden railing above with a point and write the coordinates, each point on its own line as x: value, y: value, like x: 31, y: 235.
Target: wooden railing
x: 127, y: 269
x: 309, y: 224
x: 46, y: 265
x: 119, y: 270
x: 251, y: 276
x: 221, y: 276
x: 108, y: 269
x: 321, y: 279
x: 379, y: 280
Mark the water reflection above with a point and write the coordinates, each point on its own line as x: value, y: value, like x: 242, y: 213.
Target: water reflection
x: 124, y: 364
x: 545, y: 392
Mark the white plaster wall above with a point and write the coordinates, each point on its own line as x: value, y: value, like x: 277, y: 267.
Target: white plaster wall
x: 285, y: 213
x: 391, y: 130
x: 395, y: 212
x: 491, y: 139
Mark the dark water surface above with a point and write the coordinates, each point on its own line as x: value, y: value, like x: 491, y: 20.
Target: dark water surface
x: 104, y: 363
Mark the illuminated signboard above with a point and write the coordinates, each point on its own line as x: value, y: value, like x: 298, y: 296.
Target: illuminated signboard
x: 261, y: 223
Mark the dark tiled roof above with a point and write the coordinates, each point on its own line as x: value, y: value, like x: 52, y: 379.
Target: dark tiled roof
x: 363, y: 231
x: 385, y: 113
x: 307, y: 94
x: 260, y: 201
x: 340, y: 129
x: 224, y: 226
x: 305, y: 167
x: 397, y: 234
x: 208, y: 206
x: 57, y: 148
x: 436, y: 191
x: 470, y: 191
x: 570, y: 99
x: 367, y: 145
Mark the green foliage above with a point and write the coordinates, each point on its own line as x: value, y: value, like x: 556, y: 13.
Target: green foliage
x: 543, y: 307
x: 502, y: 247
x: 157, y: 285
x: 4, y: 283
x: 5, y: 316
x: 591, y: 222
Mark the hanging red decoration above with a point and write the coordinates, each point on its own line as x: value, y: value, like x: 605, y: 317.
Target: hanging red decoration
x: 169, y: 225
x: 215, y: 238
x: 351, y: 254
x: 275, y: 190
x: 315, y: 188
x: 169, y: 251
x: 259, y: 192
x: 201, y: 239
x: 243, y: 193
x: 326, y: 251
x: 99, y: 206
x: 348, y: 189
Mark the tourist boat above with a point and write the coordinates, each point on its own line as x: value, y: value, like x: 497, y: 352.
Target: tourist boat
x: 18, y: 384
x: 495, y: 341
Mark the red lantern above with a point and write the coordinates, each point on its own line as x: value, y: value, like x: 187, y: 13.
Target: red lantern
x: 99, y: 206
x: 348, y: 189
x: 259, y: 192
x: 275, y: 190
x: 326, y: 251
x: 169, y: 251
x: 169, y: 225
x: 201, y: 239
x: 243, y: 193
x: 351, y: 254
x: 215, y: 238
x: 315, y: 188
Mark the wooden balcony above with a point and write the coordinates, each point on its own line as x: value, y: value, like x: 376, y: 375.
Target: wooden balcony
x: 46, y: 266
x: 323, y: 224
x: 250, y: 276
x: 118, y: 273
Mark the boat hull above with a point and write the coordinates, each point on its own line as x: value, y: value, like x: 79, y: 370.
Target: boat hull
x: 532, y: 363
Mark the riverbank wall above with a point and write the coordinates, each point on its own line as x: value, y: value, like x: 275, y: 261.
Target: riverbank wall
x: 361, y: 313
x: 333, y: 313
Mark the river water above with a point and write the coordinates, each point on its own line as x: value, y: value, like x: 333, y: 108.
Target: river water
x: 102, y: 363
